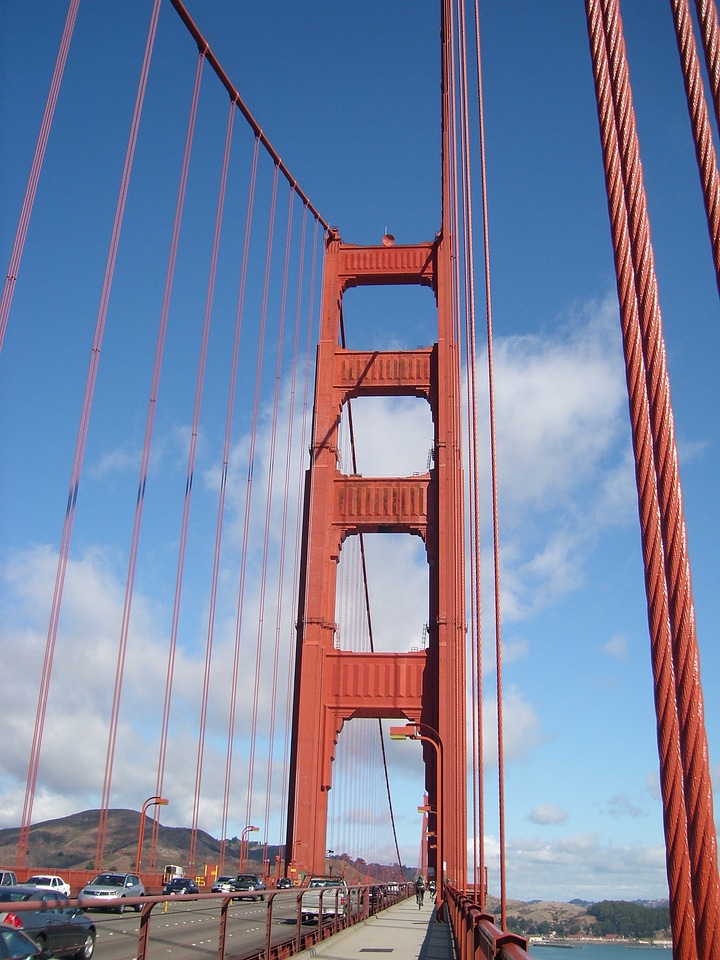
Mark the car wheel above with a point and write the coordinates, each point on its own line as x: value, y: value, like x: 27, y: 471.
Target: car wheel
x: 121, y: 908
x: 138, y: 908
x: 86, y: 951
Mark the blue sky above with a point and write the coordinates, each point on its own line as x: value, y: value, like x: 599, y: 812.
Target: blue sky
x: 348, y: 94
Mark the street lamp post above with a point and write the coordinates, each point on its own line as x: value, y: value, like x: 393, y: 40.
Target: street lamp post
x: 150, y: 802
x: 413, y: 731
x: 244, y: 845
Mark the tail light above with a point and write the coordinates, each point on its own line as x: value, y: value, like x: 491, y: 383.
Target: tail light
x: 13, y: 920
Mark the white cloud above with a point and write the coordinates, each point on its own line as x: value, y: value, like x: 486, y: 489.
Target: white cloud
x: 559, y: 407
x: 585, y: 866
x: 616, y: 647
x: 547, y: 813
x: 522, y: 728
x: 75, y: 738
x: 564, y: 462
x: 621, y: 806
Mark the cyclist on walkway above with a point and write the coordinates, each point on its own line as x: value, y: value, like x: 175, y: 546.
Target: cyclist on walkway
x: 419, y: 891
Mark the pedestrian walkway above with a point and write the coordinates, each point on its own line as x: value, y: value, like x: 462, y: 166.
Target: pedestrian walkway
x: 402, y: 932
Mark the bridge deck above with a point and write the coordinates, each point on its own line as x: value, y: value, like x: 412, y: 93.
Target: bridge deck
x: 401, y: 932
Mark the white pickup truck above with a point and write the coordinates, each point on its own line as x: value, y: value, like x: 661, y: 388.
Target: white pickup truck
x: 334, y: 898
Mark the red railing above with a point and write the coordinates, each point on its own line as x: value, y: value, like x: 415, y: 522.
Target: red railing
x: 476, y: 935
x: 338, y: 917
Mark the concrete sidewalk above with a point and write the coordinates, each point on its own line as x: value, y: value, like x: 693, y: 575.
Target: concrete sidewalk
x: 401, y: 932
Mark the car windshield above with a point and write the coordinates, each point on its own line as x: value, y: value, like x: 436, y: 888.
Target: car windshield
x: 325, y: 882
x: 109, y: 880
x: 39, y: 880
x: 16, y: 895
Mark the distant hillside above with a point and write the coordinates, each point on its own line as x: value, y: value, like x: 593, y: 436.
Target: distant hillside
x: 69, y: 843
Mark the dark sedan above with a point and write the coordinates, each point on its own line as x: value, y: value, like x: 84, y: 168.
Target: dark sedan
x: 16, y: 945
x: 248, y: 886
x: 56, y: 927
x: 180, y: 885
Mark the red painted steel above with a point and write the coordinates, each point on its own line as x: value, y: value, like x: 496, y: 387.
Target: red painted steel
x: 700, y: 123
x: 427, y: 688
x: 335, y: 686
x: 687, y: 799
x: 79, y: 457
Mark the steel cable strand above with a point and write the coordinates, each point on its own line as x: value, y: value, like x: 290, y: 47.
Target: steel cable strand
x: 35, y: 171
x: 298, y: 542
x: 244, y: 547
x: 475, y: 640
x: 708, y: 18
x: 223, y: 493
x: 455, y: 822
x: 677, y: 860
x: 144, y: 467
x: 83, y: 427
x: 368, y: 615
x: 187, y: 499
x: 698, y: 788
x: 285, y: 500
x: 702, y: 133
x: 268, y: 514
x: 248, y: 502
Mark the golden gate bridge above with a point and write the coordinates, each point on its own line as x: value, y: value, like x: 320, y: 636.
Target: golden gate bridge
x: 269, y: 557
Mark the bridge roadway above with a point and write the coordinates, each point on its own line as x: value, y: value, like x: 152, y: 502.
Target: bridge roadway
x: 190, y: 928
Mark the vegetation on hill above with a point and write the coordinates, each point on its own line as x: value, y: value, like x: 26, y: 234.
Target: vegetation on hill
x: 610, y: 918
x: 630, y: 919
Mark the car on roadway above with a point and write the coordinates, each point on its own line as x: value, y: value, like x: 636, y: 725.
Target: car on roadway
x: 248, y: 886
x: 284, y: 883
x: 223, y: 884
x: 16, y: 945
x: 332, y: 892
x: 48, y: 882
x: 181, y: 885
x: 112, y: 886
x: 58, y: 928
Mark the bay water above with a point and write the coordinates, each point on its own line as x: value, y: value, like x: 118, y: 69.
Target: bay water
x: 599, y: 951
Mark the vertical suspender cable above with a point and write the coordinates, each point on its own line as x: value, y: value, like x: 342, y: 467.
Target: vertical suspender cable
x: 708, y: 17
x: 473, y: 449
x: 221, y: 502
x: 152, y: 408
x: 298, y: 537
x: 678, y: 864
x: 494, y: 477
x: 268, y: 505
x: 81, y: 439
x: 189, y: 486
x: 36, y: 168
x: 688, y: 692
x: 700, y: 123
x: 454, y: 835
x: 285, y: 500
x: 369, y: 619
x: 251, y: 468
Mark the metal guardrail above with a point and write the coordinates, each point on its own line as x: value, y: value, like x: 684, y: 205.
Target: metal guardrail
x: 337, y: 918
x: 477, y: 937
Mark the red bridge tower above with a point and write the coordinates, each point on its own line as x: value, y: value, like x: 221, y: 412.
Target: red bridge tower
x: 331, y: 685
